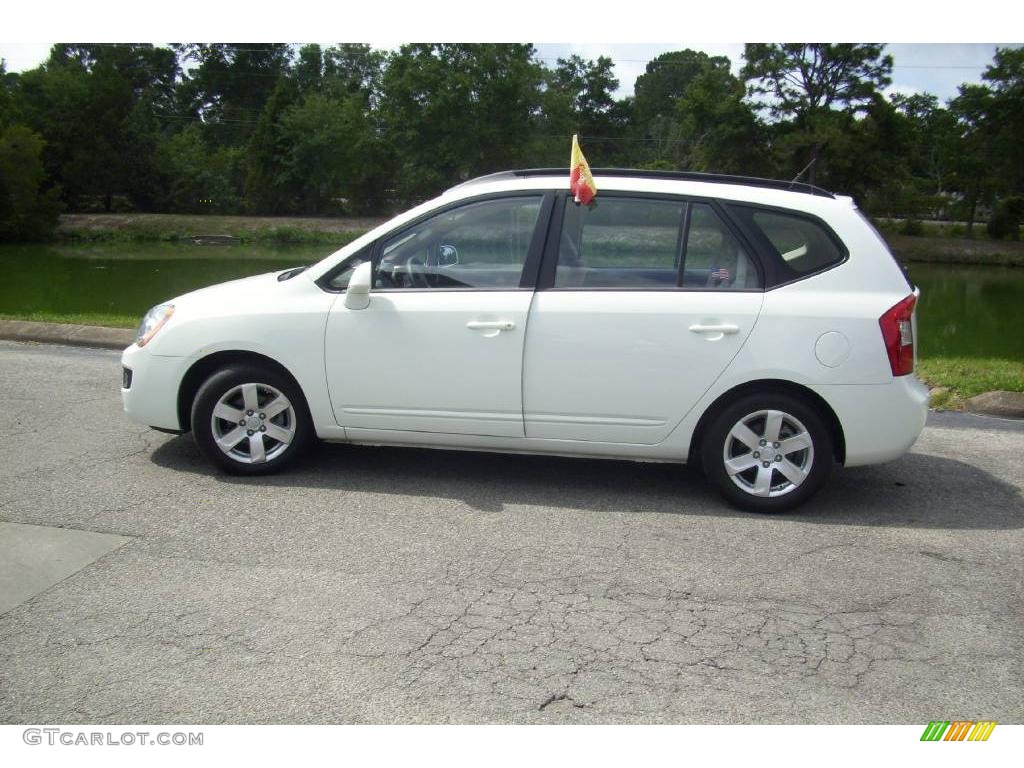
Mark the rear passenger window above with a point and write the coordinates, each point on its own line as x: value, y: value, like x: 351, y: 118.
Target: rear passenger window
x: 620, y: 243
x: 651, y: 243
x: 714, y: 257
x: 802, y: 245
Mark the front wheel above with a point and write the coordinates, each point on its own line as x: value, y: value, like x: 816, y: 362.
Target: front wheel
x: 250, y: 420
x: 768, y: 452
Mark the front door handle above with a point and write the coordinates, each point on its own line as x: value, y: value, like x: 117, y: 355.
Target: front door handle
x: 725, y: 328
x: 490, y: 325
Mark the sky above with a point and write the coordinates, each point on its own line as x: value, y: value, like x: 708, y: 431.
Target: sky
x: 936, y: 68
x: 934, y: 52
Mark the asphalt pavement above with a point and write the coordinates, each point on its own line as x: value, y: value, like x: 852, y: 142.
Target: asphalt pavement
x: 402, y: 585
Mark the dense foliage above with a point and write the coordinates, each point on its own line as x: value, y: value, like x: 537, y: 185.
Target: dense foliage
x: 281, y: 129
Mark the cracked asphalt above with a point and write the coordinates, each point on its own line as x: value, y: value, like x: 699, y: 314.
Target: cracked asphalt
x: 401, y: 585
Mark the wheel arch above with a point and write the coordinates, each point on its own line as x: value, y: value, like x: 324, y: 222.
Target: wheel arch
x: 771, y: 385
x: 204, y: 367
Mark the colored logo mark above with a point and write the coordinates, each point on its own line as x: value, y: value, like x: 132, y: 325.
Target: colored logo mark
x: 958, y: 730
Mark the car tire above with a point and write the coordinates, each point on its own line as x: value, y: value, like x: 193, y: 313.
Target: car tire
x: 250, y: 420
x: 744, y: 452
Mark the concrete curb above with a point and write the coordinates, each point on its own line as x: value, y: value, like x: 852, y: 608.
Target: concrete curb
x: 1008, y: 405
x: 66, y: 333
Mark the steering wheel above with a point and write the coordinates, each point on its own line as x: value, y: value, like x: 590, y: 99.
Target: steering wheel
x: 415, y: 272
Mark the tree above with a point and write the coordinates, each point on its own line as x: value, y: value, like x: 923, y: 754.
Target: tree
x: 718, y: 130
x: 352, y: 68
x: 200, y: 178
x: 8, y: 103
x: 308, y: 70
x: 666, y: 79
x: 268, y: 187
x: 577, y: 97
x: 330, y: 151
x: 988, y: 159
x: 672, y: 135
x: 808, y: 82
x: 932, y: 141
x: 28, y: 210
x: 978, y: 152
x: 869, y: 158
x: 451, y: 111
x: 231, y: 84
x: 1005, y: 118
x: 271, y: 128
x: 588, y: 86
x: 97, y: 107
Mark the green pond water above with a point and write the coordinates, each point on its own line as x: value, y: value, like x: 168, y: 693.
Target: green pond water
x: 969, y: 311
x: 965, y: 311
x: 129, y: 278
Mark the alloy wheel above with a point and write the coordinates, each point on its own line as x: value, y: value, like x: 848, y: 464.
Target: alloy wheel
x: 768, y: 453
x: 253, y: 423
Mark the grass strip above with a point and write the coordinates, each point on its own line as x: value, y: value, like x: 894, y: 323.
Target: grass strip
x: 149, y: 234
x: 105, y: 319
x: 955, y: 379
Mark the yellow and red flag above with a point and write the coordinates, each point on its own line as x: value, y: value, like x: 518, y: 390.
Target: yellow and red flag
x: 581, y: 181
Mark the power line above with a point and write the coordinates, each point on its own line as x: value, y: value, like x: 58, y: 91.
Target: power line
x: 940, y: 66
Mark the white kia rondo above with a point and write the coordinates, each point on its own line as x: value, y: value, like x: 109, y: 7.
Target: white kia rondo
x: 757, y: 327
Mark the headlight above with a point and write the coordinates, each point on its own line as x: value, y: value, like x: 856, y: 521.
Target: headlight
x: 153, y: 321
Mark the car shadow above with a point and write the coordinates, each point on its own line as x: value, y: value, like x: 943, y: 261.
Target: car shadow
x: 918, y: 490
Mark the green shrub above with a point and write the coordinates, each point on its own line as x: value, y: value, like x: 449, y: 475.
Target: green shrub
x: 912, y: 227
x: 297, y: 236
x: 1002, y: 225
x: 1006, y: 219
x: 27, y: 211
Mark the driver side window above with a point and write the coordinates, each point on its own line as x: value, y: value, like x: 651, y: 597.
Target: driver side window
x: 481, y: 245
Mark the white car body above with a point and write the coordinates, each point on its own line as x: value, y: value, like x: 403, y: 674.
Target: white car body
x: 614, y: 373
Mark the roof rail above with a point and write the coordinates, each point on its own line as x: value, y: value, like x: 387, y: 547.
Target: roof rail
x: 713, y: 178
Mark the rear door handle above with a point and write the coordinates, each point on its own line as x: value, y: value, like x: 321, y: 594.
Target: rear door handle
x: 490, y: 325
x: 730, y: 329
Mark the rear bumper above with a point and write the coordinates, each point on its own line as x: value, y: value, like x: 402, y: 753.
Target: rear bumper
x: 880, y: 422
x: 152, y: 398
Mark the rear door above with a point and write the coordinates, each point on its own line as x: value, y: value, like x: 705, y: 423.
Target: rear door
x: 643, y: 302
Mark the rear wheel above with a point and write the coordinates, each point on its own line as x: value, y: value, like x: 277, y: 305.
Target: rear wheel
x: 250, y: 420
x: 768, y: 452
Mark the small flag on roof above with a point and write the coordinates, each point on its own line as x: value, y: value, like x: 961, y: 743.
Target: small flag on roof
x: 581, y: 181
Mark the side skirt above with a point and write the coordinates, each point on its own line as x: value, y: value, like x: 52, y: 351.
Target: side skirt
x: 520, y: 445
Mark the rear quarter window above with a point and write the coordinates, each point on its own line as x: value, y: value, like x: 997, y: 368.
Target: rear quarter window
x: 798, y: 245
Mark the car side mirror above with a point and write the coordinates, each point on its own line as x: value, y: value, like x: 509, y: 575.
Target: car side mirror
x: 357, y: 296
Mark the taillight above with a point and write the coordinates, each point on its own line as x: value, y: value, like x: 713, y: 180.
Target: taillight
x: 898, y: 333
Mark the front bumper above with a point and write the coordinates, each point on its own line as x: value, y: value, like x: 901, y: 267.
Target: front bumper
x: 880, y: 422
x: 152, y: 397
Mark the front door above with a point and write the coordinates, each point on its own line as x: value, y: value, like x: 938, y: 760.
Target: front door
x: 440, y: 346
